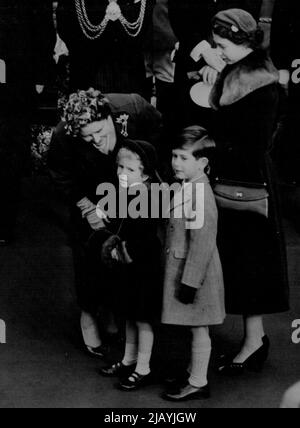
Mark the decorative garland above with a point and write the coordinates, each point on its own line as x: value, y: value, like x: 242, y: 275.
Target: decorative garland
x: 113, y: 13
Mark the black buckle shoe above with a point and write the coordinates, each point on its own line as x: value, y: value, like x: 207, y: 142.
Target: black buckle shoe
x: 135, y: 381
x: 117, y: 370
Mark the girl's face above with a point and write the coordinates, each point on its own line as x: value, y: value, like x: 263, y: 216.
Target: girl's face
x: 130, y: 169
x: 186, y: 166
x: 229, y: 51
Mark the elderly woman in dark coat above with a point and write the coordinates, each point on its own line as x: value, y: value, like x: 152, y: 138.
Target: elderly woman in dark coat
x: 245, y: 99
x: 82, y: 156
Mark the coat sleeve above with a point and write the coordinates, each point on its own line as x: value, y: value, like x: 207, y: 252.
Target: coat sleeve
x: 62, y: 167
x: 202, y: 245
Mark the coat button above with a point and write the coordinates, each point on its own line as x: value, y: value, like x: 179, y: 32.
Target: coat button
x: 168, y: 251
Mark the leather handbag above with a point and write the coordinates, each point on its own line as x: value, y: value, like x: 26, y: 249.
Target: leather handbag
x: 240, y: 196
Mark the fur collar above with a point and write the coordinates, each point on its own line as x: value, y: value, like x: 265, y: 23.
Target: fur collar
x: 239, y: 80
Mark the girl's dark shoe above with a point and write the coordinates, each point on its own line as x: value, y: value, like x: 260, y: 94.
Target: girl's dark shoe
x: 254, y: 363
x: 100, y: 351
x: 117, y: 370
x: 187, y: 392
x: 135, y: 381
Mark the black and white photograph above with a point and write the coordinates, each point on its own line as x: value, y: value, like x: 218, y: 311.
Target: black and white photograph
x: 150, y: 206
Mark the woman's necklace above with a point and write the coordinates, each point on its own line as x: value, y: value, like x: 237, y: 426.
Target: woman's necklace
x: 113, y: 13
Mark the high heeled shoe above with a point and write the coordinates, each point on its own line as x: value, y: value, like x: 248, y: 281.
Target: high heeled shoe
x: 254, y: 363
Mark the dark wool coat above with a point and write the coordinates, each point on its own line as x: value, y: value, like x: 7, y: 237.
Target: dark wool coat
x: 192, y: 258
x: 252, y: 248
x: 77, y: 169
x: 285, y: 50
x: 112, y: 63
x: 138, y: 286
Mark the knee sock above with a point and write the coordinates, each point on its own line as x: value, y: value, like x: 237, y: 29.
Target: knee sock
x: 131, y: 347
x: 146, y: 340
x: 201, y: 352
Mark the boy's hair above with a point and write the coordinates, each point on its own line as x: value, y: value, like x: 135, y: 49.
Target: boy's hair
x: 196, y: 139
x: 83, y: 108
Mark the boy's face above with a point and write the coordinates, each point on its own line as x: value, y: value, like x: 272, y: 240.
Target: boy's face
x: 186, y: 166
x: 130, y: 170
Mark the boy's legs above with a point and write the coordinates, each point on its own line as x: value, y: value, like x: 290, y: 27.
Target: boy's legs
x: 200, y: 357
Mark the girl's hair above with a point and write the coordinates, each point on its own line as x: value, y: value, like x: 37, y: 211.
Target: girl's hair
x: 196, y: 139
x: 252, y: 40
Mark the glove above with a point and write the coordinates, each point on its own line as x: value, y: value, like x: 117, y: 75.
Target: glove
x: 89, y: 212
x: 94, y: 221
x: 186, y: 294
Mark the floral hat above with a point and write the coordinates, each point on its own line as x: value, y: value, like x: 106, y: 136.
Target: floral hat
x: 84, y: 107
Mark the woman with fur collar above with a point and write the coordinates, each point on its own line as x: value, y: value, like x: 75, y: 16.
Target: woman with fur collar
x: 245, y: 100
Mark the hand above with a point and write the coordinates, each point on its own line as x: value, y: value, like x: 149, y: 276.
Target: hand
x: 193, y: 75
x: 186, y: 294
x: 94, y: 221
x: 209, y: 75
x: 284, y: 77
x: 213, y: 59
x: 39, y: 88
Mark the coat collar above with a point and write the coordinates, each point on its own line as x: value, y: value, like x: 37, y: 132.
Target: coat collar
x: 186, y: 191
x: 254, y: 72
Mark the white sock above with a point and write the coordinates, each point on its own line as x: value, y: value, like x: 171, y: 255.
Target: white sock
x: 201, y: 352
x: 143, y: 363
x: 90, y: 331
x: 130, y: 356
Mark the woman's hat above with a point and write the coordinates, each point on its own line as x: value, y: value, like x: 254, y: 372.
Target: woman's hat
x: 236, y: 20
x: 145, y: 151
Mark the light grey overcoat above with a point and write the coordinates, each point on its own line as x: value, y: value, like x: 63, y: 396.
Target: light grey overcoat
x: 192, y: 258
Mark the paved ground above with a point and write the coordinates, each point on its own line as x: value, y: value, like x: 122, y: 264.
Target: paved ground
x: 42, y: 364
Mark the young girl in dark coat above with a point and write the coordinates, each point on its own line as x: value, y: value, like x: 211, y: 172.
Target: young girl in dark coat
x: 139, y: 289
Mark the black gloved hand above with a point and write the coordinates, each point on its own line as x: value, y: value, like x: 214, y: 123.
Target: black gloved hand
x: 186, y: 294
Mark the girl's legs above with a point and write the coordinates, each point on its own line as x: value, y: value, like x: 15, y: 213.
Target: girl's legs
x: 131, y: 347
x: 254, y: 333
x: 146, y: 341
x: 200, y: 357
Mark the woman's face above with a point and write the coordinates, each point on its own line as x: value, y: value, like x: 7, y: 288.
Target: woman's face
x: 229, y: 51
x: 100, y: 134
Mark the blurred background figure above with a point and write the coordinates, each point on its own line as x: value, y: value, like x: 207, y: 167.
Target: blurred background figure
x: 27, y: 40
x: 291, y: 399
x: 105, y: 40
x: 160, y: 67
